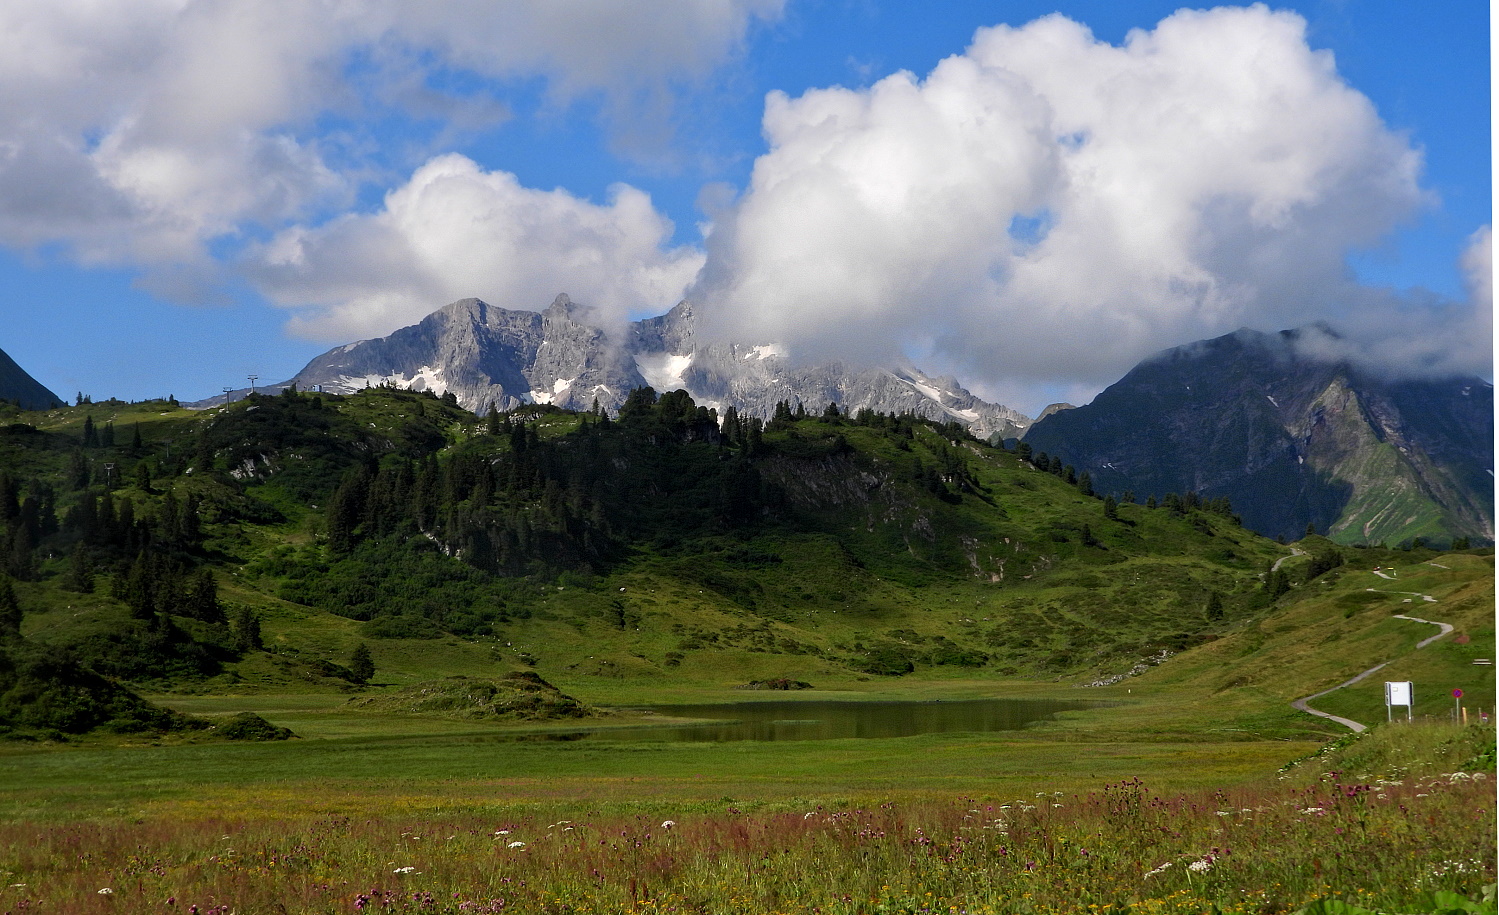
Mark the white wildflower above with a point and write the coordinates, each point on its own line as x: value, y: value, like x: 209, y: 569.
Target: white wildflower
x: 403, y: 870
x: 1200, y: 867
x: 1152, y: 873
x: 106, y: 892
x: 516, y: 845
x: 668, y: 824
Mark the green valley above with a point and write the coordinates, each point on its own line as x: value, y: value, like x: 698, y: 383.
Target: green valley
x: 430, y: 602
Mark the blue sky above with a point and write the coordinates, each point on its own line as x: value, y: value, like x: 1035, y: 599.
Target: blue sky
x: 192, y: 192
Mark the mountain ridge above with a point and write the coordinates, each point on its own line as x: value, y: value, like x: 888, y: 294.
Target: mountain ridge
x: 1291, y: 439
x: 490, y: 356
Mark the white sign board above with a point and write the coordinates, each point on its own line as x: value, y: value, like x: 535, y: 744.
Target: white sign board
x: 1398, y: 693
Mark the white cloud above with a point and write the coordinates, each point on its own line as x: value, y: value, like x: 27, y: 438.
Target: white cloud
x: 1423, y: 335
x: 140, y: 133
x: 1048, y: 208
x: 455, y: 230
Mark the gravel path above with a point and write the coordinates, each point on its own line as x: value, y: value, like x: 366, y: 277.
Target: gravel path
x: 1301, y: 704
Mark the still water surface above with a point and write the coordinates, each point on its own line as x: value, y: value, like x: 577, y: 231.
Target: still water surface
x: 827, y: 719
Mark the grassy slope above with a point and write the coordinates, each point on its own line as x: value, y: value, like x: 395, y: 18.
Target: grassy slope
x: 1064, y: 613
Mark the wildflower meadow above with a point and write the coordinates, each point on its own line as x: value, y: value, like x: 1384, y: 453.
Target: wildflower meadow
x: 1314, y: 837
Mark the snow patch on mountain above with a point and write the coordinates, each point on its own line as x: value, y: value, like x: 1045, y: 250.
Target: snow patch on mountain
x: 426, y: 378
x: 662, y: 371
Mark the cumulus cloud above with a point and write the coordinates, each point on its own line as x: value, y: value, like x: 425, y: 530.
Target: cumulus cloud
x: 1048, y: 208
x: 142, y: 133
x: 456, y: 230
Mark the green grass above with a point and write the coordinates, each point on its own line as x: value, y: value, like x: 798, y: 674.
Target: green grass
x: 948, y: 824
x: 996, y: 593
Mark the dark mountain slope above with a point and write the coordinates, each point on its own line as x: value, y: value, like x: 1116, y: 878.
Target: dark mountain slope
x: 1291, y: 441
x: 17, y: 385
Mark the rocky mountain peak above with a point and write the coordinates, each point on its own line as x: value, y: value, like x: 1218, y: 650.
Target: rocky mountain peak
x: 567, y: 356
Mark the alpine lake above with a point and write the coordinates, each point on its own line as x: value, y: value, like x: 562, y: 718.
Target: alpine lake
x: 773, y: 720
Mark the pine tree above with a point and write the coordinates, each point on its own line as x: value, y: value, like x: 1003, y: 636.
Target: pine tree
x: 78, y: 472
x: 192, y: 527
x: 203, y: 598
x: 1110, y: 508
x: 1214, y: 609
x: 139, y: 587
x: 10, y: 611
x: 361, y: 664
x: 247, y: 630
x: 202, y: 453
x: 90, y: 436
x: 81, y: 571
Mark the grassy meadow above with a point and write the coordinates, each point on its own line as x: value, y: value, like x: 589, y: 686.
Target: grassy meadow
x: 1389, y: 822
x: 952, y: 571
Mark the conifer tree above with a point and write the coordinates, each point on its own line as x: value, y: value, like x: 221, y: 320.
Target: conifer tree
x: 1214, y: 609
x: 10, y: 611
x: 78, y: 472
x: 203, y: 598
x: 81, y: 571
x: 202, y: 453
x: 361, y: 664
x: 191, y: 526
x: 139, y: 587
x: 90, y: 436
x: 247, y: 630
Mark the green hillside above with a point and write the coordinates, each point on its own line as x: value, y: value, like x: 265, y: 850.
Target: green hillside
x: 254, y: 547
